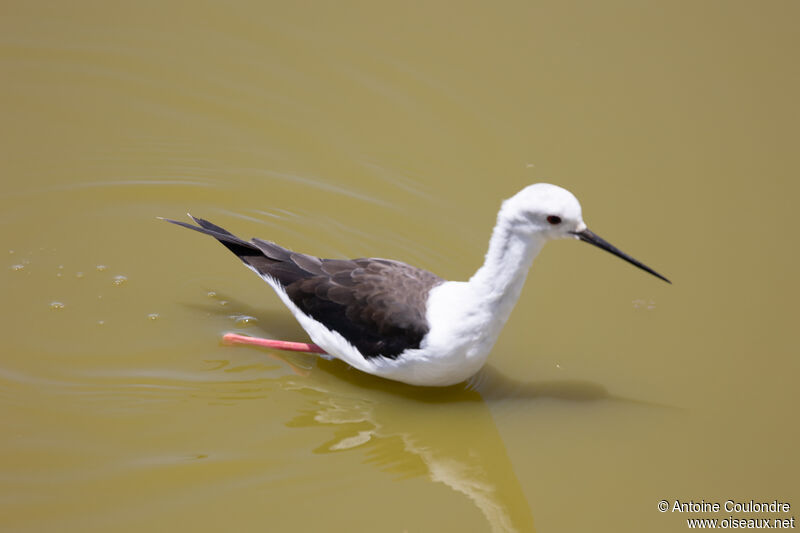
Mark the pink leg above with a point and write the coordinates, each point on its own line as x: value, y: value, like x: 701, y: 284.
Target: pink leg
x: 235, y: 338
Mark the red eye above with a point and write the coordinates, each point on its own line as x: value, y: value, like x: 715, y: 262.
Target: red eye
x: 554, y: 220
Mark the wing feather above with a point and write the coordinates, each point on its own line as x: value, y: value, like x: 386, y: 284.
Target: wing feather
x: 378, y: 305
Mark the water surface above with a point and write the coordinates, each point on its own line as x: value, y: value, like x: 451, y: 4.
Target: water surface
x: 367, y: 130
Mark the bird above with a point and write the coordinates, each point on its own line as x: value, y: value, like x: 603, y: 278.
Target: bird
x: 403, y: 323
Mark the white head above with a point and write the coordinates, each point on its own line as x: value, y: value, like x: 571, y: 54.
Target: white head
x: 544, y: 210
x: 547, y: 211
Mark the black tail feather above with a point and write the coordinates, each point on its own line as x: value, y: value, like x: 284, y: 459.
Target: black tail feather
x: 238, y: 246
x: 210, y: 226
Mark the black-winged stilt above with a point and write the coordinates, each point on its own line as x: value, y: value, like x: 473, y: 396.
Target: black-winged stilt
x: 400, y: 322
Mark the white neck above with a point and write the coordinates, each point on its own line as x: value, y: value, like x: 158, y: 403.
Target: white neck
x: 466, y: 317
x: 499, y: 281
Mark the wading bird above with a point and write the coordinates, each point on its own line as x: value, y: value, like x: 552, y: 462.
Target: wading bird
x: 400, y: 322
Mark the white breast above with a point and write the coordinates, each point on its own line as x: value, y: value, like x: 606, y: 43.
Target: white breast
x: 462, y: 332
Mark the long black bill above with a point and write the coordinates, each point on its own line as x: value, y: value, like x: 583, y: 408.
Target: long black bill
x: 591, y: 238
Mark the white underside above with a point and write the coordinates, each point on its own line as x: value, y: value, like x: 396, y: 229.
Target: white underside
x: 432, y: 364
x: 465, y: 319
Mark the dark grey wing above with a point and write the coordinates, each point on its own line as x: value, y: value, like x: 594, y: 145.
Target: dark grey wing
x: 378, y: 305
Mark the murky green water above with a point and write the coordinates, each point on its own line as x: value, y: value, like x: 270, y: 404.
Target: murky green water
x: 395, y: 131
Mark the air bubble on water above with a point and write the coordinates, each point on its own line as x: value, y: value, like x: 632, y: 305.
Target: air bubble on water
x: 79, y: 275
x: 59, y: 275
x: 153, y: 316
x: 56, y: 306
x: 223, y: 303
x: 101, y: 268
x: 61, y: 267
x: 119, y: 280
x: 101, y: 322
x: 212, y: 294
x: 17, y: 268
x: 11, y: 252
x: 244, y: 320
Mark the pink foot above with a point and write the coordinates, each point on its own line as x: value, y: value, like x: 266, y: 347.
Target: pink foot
x: 235, y: 338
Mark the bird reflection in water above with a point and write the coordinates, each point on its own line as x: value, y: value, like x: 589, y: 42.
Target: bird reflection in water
x: 448, y: 435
